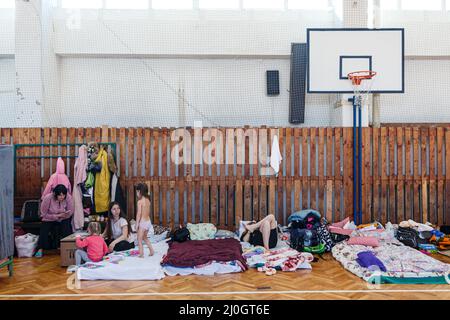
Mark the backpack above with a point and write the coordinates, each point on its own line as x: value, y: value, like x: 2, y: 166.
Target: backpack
x: 409, y: 237
x: 301, y: 238
x: 31, y: 211
x: 182, y: 234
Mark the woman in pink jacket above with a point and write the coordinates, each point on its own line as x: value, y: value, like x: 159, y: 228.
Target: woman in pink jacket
x: 56, y: 215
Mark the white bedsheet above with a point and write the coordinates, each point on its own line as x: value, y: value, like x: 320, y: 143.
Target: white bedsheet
x: 130, y: 268
x: 209, y: 270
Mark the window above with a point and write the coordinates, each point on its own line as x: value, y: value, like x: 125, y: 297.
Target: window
x: 422, y: 5
x: 172, y: 4
x: 218, y: 4
x: 308, y: 4
x: 128, y: 4
x: 389, y: 5
x: 7, y: 4
x: 264, y: 4
x: 82, y: 4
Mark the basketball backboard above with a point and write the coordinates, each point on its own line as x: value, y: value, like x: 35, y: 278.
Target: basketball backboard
x: 333, y: 53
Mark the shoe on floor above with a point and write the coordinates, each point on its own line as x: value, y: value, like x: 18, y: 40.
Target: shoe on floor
x: 39, y: 254
x: 72, y: 268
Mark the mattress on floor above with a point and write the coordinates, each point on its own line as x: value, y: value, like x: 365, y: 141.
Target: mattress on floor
x: 122, y: 267
x: 194, y: 253
x: 207, y: 270
x: 404, y: 264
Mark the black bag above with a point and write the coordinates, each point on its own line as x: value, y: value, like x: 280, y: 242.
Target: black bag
x: 30, y: 211
x: 181, y: 235
x: 409, y: 237
x: 337, y: 238
x: 325, y: 237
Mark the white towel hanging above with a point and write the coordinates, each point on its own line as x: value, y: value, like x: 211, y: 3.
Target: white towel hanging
x: 275, y: 155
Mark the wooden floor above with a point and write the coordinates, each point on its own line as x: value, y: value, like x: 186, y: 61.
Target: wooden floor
x: 45, y: 279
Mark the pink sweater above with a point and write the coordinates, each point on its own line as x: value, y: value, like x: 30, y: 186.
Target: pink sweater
x: 59, y: 177
x: 96, y: 247
x: 50, y: 208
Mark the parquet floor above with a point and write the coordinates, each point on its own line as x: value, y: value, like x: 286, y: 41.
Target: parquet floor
x: 45, y: 279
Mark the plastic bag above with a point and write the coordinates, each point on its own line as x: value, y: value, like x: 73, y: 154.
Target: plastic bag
x: 26, y: 245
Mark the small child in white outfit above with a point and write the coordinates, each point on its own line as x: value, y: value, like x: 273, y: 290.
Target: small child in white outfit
x: 143, y: 223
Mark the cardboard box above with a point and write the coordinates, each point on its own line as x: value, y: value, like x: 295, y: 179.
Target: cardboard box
x: 68, y: 248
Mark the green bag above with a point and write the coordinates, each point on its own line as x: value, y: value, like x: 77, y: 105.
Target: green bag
x: 315, y: 250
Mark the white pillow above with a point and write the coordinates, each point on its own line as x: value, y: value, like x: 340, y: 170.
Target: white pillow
x: 242, y: 228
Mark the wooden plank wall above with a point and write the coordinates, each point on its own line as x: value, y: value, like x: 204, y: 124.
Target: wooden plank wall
x: 228, y: 178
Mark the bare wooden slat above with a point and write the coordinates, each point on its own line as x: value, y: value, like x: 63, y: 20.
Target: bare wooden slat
x: 147, y: 150
x: 139, y: 137
x: 366, y: 177
x: 321, y: 172
x: 376, y: 215
x: 239, y: 201
x: 156, y: 204
x: 417, y: 178
x: 305, y: 163
x: 440, y: 175
x: 181, y: 210
x: 447, y: 176
x: 164, y: 157
x: 46, y: 154
x: 156, y: 172
x: 348, y: 171
x: 247, y: 214
x: 400, y: 216
x: 392, y: 177
x: 338, y: 214
x: 384, y: 176
x: 206, y: 202
x: 432, y: 177
x: 296, y: 172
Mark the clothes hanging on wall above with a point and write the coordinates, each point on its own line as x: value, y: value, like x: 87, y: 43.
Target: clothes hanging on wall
x: 79, y: 178
x: 102, y: 184
x: 59, y: 177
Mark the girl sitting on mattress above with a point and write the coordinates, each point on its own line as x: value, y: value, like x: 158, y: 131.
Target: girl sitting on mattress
x: 143, y: 223
x: 95, y: 246
x: 118, y: 230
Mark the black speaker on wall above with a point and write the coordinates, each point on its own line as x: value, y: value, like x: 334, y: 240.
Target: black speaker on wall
x: 299, y: 63
x: 273, y: 82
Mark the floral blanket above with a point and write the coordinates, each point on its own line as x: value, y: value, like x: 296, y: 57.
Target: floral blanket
x: 401, y: 262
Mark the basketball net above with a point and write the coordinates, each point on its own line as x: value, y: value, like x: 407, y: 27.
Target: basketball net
x: 362, y: 82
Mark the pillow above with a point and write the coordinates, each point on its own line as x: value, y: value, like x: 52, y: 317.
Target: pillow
x: 242, y: 228
x: 343, y: 232
x: 202, y: 231
x: 224, y: 234
x: 160, y: 230
x: 340, y: 224
x: 364, y: 241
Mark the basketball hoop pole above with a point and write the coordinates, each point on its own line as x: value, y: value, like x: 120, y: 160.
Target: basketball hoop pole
x: 357, y: 160
x: 357, y: 78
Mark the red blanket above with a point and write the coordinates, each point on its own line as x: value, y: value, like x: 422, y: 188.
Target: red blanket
x: 194, y: 253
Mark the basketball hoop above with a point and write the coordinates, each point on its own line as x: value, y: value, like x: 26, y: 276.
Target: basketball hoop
x: 362, y: 82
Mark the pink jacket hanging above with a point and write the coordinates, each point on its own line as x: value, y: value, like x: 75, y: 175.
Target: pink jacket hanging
x: 79, y: 177
x: 59, y: 177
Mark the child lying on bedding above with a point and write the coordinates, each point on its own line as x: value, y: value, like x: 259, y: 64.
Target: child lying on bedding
x: 143, y: 223
x: 96, y: 247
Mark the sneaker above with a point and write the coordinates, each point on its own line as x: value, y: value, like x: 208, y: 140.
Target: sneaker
x: 72, y: 268
x: 39, y: 254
